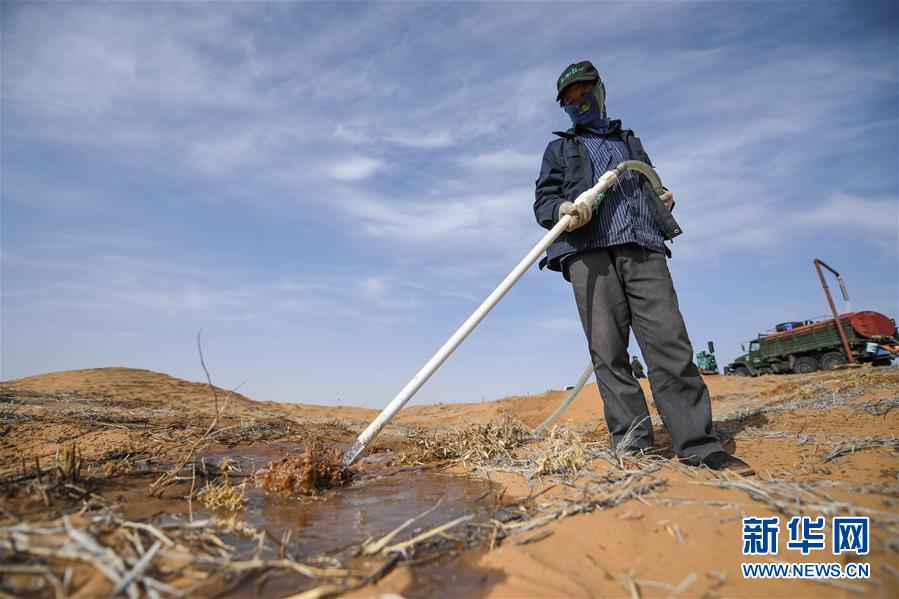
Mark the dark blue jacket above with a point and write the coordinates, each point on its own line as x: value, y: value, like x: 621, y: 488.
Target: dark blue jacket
x: 566, y: 173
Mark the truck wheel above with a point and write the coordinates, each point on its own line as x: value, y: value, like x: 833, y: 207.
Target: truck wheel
x: 741, y: 371
x: 832, y: 359
x: 805, y: 365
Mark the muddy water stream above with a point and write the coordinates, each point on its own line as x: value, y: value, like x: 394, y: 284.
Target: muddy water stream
x: 324, y: 528
x: 377, y: 500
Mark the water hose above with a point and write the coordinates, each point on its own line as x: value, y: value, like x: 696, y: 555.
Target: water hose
x: 564, y: 405
x: 594, y: 197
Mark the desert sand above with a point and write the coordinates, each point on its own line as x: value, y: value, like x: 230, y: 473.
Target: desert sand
x: 560, y: 514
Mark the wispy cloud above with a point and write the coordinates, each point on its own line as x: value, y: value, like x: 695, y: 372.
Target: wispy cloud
x: 475, y: 223
x: 877, y: 216
x: 563, y: 325
x: 502, y: 160
x: 426, y: 140
x: 872, y: 221
x: 225, y: 154
x: 111, y: 274
x: 354, y: 168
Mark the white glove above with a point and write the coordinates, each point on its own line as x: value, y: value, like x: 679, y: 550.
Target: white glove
x: 587, y: 197
x: 668, y: 199
x: 581, y: 213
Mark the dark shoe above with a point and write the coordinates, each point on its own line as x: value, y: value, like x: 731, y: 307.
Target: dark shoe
x: 721, y: 460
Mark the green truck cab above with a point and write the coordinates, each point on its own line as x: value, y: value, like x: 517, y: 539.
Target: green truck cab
x: 801, y: 347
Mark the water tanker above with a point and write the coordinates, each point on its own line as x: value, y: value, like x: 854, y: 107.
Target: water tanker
x: 800, y: 347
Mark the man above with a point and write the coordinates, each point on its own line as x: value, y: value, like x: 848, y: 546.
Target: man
x: 637, y: 368
x: 616, y: 263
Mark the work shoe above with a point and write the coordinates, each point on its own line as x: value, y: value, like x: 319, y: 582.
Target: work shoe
x: 721, y: 460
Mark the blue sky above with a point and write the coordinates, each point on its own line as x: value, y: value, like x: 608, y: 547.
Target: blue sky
x: 329, y: 190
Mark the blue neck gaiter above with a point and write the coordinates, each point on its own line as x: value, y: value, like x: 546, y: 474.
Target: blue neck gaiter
x: 590, y: 111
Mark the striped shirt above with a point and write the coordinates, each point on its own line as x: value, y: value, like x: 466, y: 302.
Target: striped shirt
x: 624, y: 216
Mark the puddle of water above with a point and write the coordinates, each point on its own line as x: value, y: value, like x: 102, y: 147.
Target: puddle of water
x: 379, y: 499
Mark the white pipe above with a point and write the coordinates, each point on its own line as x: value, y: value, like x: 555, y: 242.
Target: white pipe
x: 605, y: 181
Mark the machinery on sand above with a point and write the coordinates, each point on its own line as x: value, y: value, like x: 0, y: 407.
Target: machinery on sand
x: 706, y: 362
x: 808, y: 346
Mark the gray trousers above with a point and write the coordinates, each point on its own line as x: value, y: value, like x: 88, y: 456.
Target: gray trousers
x: 626, y: 286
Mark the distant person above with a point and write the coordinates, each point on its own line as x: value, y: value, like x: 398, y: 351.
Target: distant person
x: 637, y: 368
x: 616, y: 263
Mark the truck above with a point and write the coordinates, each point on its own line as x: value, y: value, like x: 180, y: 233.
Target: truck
x: 806, y: 346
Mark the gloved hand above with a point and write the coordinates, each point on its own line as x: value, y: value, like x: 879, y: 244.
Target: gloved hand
x: 668, y: 199
x: 580, y: 214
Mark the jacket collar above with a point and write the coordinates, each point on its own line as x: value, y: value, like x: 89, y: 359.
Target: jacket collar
x: 614, y: 127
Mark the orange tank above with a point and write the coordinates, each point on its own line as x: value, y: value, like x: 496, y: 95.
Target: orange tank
x: 871, y: 324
